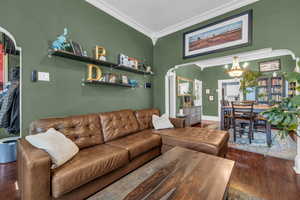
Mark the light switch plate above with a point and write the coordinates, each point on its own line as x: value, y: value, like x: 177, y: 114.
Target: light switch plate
x: 43, y: 76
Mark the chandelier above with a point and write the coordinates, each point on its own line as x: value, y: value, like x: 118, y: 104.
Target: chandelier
x: 236, y: 70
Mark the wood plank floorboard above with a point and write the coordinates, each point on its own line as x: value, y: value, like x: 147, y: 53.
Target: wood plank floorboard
x: 264, y: 177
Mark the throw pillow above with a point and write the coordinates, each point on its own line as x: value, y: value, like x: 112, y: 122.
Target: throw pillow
x: 162, y: 122
x: 57, y: 145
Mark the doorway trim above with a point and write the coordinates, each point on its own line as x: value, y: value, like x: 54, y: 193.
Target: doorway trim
x: 3, y: 30
x: 201, y: 91
x: 220, y: 85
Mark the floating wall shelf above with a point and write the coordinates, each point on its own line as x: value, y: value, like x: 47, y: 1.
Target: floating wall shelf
x: 107, y: 83
x: 90, y: 60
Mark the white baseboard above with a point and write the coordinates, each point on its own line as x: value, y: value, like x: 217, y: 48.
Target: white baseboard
x: 210, y: 118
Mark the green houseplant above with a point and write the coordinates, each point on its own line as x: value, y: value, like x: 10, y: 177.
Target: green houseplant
x: 285, y: 115
x: 249, y: 80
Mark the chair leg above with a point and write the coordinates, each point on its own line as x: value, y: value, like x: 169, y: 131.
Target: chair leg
x: 253, y: 131
x: 242, y: 129
x: 250, y: 134
x: 234, y: 131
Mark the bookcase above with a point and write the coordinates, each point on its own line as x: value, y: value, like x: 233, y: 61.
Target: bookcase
x: 270, y: 90
x: 292, y: 89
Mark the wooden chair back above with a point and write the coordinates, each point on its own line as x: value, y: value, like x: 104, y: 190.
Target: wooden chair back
x: 242, y: 110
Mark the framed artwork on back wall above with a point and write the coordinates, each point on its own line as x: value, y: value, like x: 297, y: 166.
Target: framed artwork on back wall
x: 270, y: 66
x: 229, y: 33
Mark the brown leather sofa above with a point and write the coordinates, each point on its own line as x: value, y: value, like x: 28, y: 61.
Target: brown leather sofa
x: 111, y: 145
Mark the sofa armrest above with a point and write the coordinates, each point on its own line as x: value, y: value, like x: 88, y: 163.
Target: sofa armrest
x: 33, y: 172
x: 178, y: 122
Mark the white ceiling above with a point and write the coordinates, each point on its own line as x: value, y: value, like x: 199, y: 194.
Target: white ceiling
x: 157, y: 18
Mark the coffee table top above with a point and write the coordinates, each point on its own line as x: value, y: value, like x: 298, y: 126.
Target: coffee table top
x: 178, y: 174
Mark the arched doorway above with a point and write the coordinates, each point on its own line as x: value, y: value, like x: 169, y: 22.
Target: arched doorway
x: 10, y: 87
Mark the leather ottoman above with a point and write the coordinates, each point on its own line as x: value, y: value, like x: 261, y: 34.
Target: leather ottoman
x: 214, y: 142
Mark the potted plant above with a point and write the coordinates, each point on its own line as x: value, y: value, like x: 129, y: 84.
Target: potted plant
x: 285, y: 115
x: 249, y: 80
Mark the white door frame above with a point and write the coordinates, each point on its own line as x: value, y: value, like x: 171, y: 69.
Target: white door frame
x: 220, y: 84
x: 173, y: 94
x: 201, y: 91
x: 2, y: 30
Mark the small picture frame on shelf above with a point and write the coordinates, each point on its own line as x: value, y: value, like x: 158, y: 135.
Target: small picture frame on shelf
x: 124, y: 79
x: 112, y: 78
x: 77, y: 50
x: 124, y: 60
x: 270, y: 66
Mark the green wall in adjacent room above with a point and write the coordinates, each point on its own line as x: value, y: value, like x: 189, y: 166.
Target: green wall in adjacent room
x: 211, y: 75
x: 190, y: 72
x: 36, y: 22
x: 275, y: 25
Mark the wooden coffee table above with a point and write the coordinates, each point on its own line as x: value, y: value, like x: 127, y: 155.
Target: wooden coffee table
x: 178, y: 174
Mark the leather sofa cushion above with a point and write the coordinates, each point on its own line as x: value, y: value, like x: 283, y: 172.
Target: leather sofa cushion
x: 87, y: 165
x: 83, y: 130
x: 144, y: 117
x: 138, y: 143
x: 199, y: 139
x: 118, y: 124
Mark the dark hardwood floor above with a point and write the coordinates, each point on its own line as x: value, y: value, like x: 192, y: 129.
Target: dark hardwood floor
x: 8, y: 182
x: 267, y: 177
x: 264, y: 177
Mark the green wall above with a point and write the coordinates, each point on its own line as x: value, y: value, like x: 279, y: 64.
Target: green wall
x: 210, y: 77
x: 275, y: 25
x: 190, y: 72
x: 36, y: 22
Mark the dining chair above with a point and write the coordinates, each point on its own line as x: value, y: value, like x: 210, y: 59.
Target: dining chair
x: 242, y: 116
x: 260, y: 124
x: 227, y: 115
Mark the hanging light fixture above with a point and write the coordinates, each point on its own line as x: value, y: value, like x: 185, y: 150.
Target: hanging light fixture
x: 236, y: 70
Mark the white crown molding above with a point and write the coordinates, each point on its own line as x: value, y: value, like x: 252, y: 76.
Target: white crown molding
x: 154, y: 40
x: 100, y: 4
x: 233, y: 5
x: 225, y: 8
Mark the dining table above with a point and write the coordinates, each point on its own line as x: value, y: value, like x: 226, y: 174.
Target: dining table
x: 256, y: 109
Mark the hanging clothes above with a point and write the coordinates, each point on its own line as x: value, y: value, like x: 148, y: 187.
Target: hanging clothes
x: 6, y: 108
x: 13, y: 114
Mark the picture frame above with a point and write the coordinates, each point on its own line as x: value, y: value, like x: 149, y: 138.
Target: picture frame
x: 184, y: 86
x: 112, y: 78
x: 124, y: 79
x: 270, y: 66
x: 77, y: 50
x: 229, y: 33
x: 211, y: 98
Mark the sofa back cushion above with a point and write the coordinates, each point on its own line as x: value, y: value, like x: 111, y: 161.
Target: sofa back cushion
x: 83, y: 130
x: 118, y: 124
x: 144, y: 117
